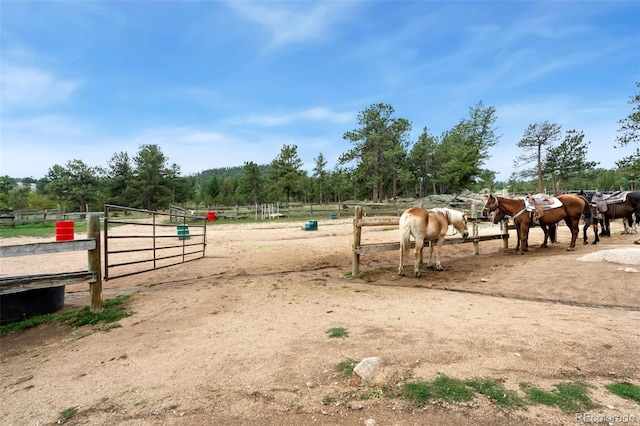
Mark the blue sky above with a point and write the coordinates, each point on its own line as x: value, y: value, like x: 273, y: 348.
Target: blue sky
x: 216, y: 84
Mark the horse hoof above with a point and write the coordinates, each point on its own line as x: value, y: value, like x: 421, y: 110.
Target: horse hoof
x: 417, y: 275
x: 570, y: 248
x: 439, y: 268
x: 594, y: 243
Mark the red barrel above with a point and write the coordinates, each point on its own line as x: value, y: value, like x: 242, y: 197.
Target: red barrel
x: 211, y: 217
x: 64, y: 230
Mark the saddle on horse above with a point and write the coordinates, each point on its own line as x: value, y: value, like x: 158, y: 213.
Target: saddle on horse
x: 602, y: 201
x: 538, y: 203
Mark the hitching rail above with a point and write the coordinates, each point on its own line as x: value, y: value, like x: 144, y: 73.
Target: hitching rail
x: 359, y: 222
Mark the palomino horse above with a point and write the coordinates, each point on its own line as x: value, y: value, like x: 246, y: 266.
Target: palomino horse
x: 428, y: 225
x: 573, y: 207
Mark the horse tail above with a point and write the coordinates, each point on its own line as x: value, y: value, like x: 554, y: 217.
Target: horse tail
x: 587, y: 208
x: 405, y: 232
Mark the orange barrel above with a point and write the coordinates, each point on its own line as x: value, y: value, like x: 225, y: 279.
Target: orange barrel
x: 211, y: 217
x: 64, y: 230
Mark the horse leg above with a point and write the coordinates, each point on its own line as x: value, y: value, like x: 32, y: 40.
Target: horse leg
x: 575, y: 230
x: 606, y: 230
x: 430, y: 259
x: 586, y: 226
x: 629, y: 225
x: 523, y: 239
x: 417, y: 255
x: 405, y: 244
x: 545, y: 229
x: 438, y: 251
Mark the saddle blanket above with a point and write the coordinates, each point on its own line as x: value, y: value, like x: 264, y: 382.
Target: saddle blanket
x: 616, y: 197
x: 545, y: 201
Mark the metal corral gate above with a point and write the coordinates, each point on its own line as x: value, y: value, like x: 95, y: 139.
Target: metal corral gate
x: 133, y: 237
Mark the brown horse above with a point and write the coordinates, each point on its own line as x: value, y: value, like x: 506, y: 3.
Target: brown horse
x: 499, y: 215
x: 428, y: 225
x: 572, y: 209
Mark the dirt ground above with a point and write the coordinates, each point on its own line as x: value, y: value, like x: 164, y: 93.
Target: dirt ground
x: 240, y: 336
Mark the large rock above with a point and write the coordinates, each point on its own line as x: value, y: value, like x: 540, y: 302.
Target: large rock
x: 368, y: 367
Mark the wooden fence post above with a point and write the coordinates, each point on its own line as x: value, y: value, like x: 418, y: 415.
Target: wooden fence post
x: 357, y: 237
x: 504, y: 229
x: 476, y: 241
x: 95, y: 265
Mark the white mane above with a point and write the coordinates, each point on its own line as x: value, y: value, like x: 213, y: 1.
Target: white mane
x: 454, y: 216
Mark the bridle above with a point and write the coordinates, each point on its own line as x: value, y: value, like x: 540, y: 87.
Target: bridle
x: 496, y: 205
x: 492, y: 207
x: 456, y: 230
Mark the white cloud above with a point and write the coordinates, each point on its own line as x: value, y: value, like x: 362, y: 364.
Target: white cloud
x: 24, y: 87
x: 313, y: 114
x: 32, y: 146
x: 598, y: 122
x: 292, y: 22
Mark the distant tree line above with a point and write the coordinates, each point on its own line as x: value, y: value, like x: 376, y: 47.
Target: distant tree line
x: 382, y: 163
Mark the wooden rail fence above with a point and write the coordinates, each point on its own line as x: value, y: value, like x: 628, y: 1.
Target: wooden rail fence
x: 360, y: 222
x: 93, y: 276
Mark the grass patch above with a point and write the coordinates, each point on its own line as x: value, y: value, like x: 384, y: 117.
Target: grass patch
x: 337, y: 332
x: 625, y: 390
x: 570, y: 397
x: 496, y: 392
x: 374, y: 274
x: 113, y: 310
x: 346, y: 367
x: 329, y: 400
x: 47, y: 229
x: 14, y: 327
x: 442, y: 388
x: 38, y: 230
x: 67, y: 414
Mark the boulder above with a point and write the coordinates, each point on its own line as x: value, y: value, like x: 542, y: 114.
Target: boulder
x: 368, y: 367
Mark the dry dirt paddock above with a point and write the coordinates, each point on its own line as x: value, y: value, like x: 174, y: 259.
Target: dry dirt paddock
x: 240, y: 337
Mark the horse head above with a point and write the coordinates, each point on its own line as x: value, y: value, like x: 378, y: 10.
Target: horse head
x: 462, y: 226
x: 459, y: 221
x: 499, y: 215
x: 490, y: 204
